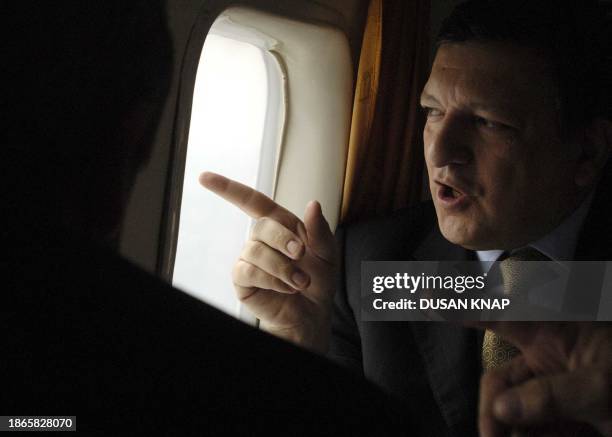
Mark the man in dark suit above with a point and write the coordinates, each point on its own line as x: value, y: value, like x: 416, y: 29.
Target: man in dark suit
x: 87, y: 333
x: 517, y: 138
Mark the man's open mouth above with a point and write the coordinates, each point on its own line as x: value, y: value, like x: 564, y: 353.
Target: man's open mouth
x: 450, y: 196
x: 450, y: 193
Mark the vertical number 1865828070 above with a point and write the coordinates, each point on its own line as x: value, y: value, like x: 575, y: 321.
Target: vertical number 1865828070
x: 38, y: 423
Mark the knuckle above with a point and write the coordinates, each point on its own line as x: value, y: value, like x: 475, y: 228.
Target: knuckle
x: 250, y: 271
x: 247, y: 271
x: 279, y: 238
x: 243, y: 293
x: 254, y: 249
x: 243, y: 273
x: 259, y: 228
x: 286, y: 270
x: 269, y: 232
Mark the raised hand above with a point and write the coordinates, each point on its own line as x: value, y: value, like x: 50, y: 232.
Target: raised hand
x: 560, y: 385
x: 285, y: 274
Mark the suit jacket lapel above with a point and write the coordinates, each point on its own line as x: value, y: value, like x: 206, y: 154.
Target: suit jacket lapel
x: 449, y: 351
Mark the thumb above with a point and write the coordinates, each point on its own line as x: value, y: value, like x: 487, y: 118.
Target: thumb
x: 320, y: 237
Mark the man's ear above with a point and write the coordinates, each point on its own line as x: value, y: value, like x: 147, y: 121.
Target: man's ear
x: 596, y: 146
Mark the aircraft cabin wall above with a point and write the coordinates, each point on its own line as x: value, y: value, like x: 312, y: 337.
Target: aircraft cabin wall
x: 316, y: 46
x: 144, y: 218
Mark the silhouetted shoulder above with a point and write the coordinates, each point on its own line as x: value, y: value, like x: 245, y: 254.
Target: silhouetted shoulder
x: 89, y: 334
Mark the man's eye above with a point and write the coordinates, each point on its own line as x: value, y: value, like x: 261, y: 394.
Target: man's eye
x: 431, y: 112
x: 488, y: 123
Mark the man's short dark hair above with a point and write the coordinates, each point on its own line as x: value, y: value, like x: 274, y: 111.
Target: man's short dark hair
x: 573, y: 36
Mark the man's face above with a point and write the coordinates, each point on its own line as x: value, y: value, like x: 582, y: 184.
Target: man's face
x: 499, y: 173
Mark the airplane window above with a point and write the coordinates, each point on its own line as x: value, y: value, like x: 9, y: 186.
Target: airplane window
x: 237, y: 101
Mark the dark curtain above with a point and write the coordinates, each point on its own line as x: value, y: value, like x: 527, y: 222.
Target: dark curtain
x: 385, y: 161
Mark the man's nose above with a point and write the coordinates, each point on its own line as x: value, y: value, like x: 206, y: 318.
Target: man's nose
x: 447, y: 142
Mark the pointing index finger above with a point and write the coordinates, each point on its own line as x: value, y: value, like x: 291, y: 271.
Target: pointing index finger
x: 251, y: 201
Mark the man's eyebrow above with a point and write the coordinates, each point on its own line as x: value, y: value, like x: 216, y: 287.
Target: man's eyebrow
x: 428, y: 98
x: 488, y: 107
x: 505, y: 111
x: 476, y: 105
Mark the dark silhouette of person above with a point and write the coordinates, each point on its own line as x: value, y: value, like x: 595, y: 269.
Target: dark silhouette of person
x: 86, y: 333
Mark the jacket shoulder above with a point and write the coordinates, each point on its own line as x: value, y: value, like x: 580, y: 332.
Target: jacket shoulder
x: 389, y: 236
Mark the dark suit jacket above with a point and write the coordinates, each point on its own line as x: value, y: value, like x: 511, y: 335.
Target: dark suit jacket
x: 86, y: 333
x: 434, y: 368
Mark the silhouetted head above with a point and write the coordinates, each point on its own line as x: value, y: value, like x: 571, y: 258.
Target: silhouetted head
x: 94, y: 78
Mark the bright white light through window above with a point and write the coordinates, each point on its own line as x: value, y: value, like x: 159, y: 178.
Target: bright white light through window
x: 225, y: 136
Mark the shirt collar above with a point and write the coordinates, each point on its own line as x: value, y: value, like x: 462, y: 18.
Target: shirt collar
x: 558, y: 245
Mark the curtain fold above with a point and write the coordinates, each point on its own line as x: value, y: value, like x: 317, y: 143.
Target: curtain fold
x: 385, y: 161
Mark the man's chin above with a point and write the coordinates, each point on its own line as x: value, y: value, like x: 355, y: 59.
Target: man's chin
x: 462, y: 234
x: 455, y: 238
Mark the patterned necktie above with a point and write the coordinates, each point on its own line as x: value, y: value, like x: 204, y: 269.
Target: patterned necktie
x: 495, y: 350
